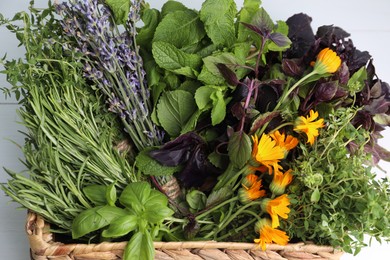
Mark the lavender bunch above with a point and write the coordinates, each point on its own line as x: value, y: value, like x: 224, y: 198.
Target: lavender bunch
x: 112, y: 62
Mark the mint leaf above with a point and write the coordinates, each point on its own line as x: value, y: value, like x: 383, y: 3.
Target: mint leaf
x: 218, y: 17
x: 180, y: 28
x: 151, y: 18
x: 148, y: 166
x: 239, y: 149
x: 172, y: 6
x: 168, y: 57
x: 120, y: 9
x: 174, y: 109
x: 140, y: 246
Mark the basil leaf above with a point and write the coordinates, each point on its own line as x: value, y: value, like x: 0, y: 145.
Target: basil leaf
x: 156, y: 207
x: 196, y: 200
x: 94, y: 219
x: 111, y: 194
x: 135, y: 195
x: 218, y: 17
x: 121, y: 226
x: 140, y: 246
x: 174, y: 110
x: 96, y: 194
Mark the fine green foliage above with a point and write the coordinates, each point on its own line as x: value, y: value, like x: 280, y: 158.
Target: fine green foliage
x: 70, y: 137
x: 339, y: 198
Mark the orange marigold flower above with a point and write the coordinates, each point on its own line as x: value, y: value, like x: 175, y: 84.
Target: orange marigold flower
x: 327, y: 62
x: 269, y: 234
x: 266, y: 152
x: 288, y: 142
x: 251, y: 189
x: 280, y: 182
x: 276, y: 208
x: 309, y: 126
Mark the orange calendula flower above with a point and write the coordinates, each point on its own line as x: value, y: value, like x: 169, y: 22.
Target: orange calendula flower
x: 269, y: 234
x: 309, y: 126
x: 266, y: 152
x: 280, y: 182
x: 288, y: 142
x: 251, y: 189
x: 327, y: 62
x: 276, y: 208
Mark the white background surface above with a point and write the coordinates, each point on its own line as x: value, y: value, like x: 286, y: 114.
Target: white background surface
x: 367, y: 21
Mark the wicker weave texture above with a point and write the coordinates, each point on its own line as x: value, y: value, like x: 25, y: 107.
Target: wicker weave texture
x: 43, y: 247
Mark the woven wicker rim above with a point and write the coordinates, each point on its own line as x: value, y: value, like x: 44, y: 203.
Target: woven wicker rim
x: 42, y: 246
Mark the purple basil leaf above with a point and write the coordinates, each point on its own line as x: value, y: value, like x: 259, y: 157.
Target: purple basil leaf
x: 378, y: 106
x: 280, y: 39
x: 326, y: 91
x: 177, y: 151
x: 254, y: 28
x: 301, y: 34
x: 228, y: 74
x: 293, y: 67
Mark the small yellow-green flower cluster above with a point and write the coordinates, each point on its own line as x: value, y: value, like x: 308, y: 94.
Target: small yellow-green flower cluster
x: 267, y: 154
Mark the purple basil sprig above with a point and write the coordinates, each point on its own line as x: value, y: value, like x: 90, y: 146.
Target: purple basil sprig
x: 112, y: 62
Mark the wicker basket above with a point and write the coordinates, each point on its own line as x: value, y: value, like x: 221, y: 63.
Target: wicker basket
x: 43, y: 246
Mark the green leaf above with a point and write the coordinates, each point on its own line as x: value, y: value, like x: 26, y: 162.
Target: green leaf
x: 140, y: 246
x: 120, y: 9
x: 207, y: 97
x: 111, y: 194
x: 191, y: 123
x: 156, y: 208
x: 121, y: 226
x: 218, y: 112
x: 202, y: 97
x: 239, y: 149
x: 219, y: 196
x: 169, y: 57
x: 135, y: 195
x: 356, y: 82
x: 94, y: 219
x: 196, y: 200
x: 148, y: 166
x: 315, y: 196
x: 246, y: 14
x: 180, y: 28
x: 151, y: 18
x: 218, y: 17
x: 210, y: 74
x: 279, y: 40
x: 172, y: 6
x: 174, y: 110
x: 96, y: 194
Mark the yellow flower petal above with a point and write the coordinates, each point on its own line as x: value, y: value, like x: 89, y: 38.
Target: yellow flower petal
x: 327, y: 62
x: 309, y: 126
